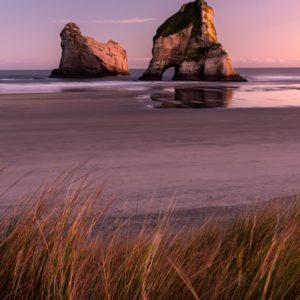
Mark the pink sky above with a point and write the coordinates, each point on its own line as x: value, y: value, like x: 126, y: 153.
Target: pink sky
x: 257, y: 33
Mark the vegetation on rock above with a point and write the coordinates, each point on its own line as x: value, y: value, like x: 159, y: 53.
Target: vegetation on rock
x: 181, y: 20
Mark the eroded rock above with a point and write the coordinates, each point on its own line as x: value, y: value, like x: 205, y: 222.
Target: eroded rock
x: 84, y: 57
x: 188, y: 41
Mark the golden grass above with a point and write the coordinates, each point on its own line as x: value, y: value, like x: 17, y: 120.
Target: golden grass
x: 52, y: 251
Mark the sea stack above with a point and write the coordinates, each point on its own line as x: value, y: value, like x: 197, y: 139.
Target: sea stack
x: 84, y: 57
x: 188, y: 42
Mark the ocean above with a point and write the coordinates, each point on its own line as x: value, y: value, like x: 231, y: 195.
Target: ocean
x: 266, y: 87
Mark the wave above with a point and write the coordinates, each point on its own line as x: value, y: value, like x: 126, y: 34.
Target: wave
x: 16, y: 82
x: 57, y: 87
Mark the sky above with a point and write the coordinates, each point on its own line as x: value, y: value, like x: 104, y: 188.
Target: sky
x: 256, y: 33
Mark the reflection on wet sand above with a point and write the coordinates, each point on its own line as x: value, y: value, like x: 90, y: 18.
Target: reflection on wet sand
x: 204, y: 97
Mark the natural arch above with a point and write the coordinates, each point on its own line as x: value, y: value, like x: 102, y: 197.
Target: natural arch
x: 168, y: 73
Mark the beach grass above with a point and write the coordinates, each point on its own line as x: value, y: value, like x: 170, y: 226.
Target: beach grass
x: 52, y: 247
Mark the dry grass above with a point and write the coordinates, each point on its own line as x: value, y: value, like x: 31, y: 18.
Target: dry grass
x: 52, y: 252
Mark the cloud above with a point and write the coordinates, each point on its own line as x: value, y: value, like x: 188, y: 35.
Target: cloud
x: 121, y: 21
x: 62, y: 21
x: 124, y: 21
x: 266, y: 60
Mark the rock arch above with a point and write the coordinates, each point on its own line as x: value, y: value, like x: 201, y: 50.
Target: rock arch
x: 188, y: 40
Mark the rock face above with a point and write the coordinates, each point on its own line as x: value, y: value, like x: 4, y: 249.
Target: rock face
x: 188, y: 41
x: 85, y: 57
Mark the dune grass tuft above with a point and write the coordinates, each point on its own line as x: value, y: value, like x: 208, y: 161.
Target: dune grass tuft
x: 52, y: 251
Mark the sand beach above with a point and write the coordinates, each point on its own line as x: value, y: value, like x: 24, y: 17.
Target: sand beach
x: 147, y: 157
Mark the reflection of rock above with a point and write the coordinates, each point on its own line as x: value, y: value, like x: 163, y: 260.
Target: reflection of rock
x: 188, y: 41
x: 196, y: 98
x: 84, y: 57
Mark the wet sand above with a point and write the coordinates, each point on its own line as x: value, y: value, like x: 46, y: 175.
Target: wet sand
x: 203, y: 158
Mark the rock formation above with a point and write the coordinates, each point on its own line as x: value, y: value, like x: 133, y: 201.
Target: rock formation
x: 188, y: 41
x: 85, y: 57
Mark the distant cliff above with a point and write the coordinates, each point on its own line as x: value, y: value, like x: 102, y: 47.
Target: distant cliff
x: 188, y: 41
x: 85, y: 57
